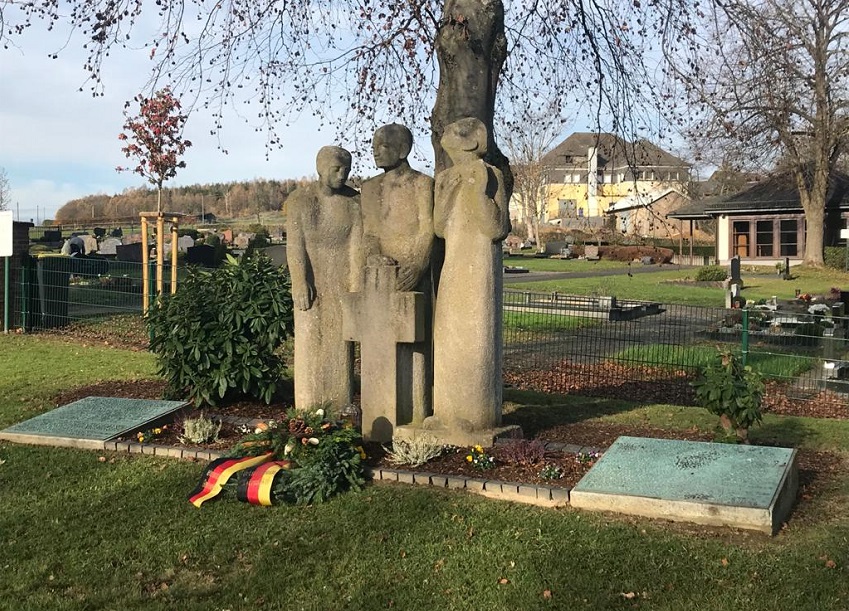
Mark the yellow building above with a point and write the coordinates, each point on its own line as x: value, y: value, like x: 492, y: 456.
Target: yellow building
x: 589, y: 172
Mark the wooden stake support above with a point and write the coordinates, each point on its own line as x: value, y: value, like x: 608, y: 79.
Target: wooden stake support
x: 159, y: 218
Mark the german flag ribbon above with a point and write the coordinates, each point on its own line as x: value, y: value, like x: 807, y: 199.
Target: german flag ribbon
x: 256, y: 485
x: 218, y: 472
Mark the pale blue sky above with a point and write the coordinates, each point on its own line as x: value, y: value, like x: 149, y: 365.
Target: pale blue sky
x: 59, y: 143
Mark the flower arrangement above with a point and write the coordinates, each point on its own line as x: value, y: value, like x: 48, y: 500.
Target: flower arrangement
x: 149, y: 435
x: 587, y: 458
x: 326, y: 454
x: 551, y: 472
x: 479, y: 459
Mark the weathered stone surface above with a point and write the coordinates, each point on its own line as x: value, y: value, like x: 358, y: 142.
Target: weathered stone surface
x: 95, y: 418
x: 383, y: 320
x: 397, y: 208
x: 470, y: 213
x: 750, y: 487
x: 324, y: 252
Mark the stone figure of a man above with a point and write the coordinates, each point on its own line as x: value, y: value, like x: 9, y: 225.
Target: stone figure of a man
x: 324, y: 252
x: 471, y: 214
x: 398, y: 227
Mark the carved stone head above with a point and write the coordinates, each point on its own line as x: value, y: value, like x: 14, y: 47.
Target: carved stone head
x: 333, y: 164
x: 464, y: 137
x: 392, y: 143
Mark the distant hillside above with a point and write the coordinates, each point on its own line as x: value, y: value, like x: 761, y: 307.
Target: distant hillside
x: 234, y: 199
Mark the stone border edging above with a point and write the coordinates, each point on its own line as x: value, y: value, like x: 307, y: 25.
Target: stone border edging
x: 543, y: 496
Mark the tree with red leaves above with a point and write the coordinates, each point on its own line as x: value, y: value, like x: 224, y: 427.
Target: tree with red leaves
x: 155, y: 139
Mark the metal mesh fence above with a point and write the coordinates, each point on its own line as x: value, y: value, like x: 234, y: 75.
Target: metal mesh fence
x: 650, y: 351
x: 552, y: 342
x: 95, y: 298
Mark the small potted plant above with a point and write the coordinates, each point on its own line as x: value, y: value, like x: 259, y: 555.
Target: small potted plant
x: 733, y: 392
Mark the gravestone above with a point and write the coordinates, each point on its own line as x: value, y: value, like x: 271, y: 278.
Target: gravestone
x: 735, y: 271
x: 277, y: 254
x: 184, y: 243
x: 591, y: 252
x: 380, y: 318
x: 242, y: 240
x: 89, y: 422
x: 109, y: 246
x: 129, y: 252
x: 202, y: 254
x: 90, y: 243
x: 733, y: 299
x: 742, y: 486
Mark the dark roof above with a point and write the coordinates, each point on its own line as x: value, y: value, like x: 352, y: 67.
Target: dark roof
x: 779, y: 193
x: 613, y: 152
x: 695, y: 210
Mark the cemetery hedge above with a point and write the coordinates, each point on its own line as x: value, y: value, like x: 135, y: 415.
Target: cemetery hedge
x: 221, y: 334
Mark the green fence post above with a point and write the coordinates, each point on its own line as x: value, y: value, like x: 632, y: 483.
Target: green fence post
x: 745, y: 355
x: 26, y: 291
x: 6, y: 293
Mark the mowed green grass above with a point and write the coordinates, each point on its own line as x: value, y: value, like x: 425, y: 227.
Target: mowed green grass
x: 95, y: 530
x: 661, y: 286
x: 768, y: 364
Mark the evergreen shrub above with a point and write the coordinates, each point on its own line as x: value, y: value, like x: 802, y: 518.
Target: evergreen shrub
x: 219, y: 335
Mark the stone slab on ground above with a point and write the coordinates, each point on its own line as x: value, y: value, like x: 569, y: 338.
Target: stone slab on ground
x: 90, y: 422
x: 751, y: 487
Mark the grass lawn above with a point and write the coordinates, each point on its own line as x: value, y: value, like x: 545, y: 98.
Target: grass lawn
x: 84, y: 533
x: 543, y: 323
x: 658, y: 286
x: 768, y: 364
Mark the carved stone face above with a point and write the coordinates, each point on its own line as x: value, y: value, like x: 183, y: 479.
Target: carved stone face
x: 333, y: 172
x: 388, y: 152
x: 465, y: 137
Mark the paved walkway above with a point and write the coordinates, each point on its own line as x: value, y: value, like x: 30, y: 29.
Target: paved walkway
x: 637, y: 268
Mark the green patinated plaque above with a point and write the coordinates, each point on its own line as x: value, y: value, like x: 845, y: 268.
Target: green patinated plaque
x: 95, y: 418
x: 738, y: 485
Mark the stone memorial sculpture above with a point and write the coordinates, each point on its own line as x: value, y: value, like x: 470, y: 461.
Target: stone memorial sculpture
x: 324, y: 251
x: 387, y: 323
x: 471, y: 214
x: 397, y: 209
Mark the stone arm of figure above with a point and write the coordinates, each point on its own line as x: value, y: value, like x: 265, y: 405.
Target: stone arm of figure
x: 410, y: 275
x: 303, y: 291
x: 500, y: 199
x: 492, y: 214
x: 357, y: 253
x: 447, y: 183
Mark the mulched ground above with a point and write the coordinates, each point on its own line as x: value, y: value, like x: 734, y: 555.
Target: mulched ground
x: 817, y: 470
x: 646, y: 384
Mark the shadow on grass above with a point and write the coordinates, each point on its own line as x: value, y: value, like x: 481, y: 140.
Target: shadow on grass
x: 537, y: 411
x: 788, y: 432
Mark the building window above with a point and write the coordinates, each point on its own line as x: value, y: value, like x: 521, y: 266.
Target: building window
x: 767, y: 238
x: 789, y: 238
x: 740, y: 238
x: 764, y: 238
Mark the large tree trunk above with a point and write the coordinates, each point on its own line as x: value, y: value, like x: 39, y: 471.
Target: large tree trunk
x: 813, y: 192
x: 814, y: 230
x: 471, y: 48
